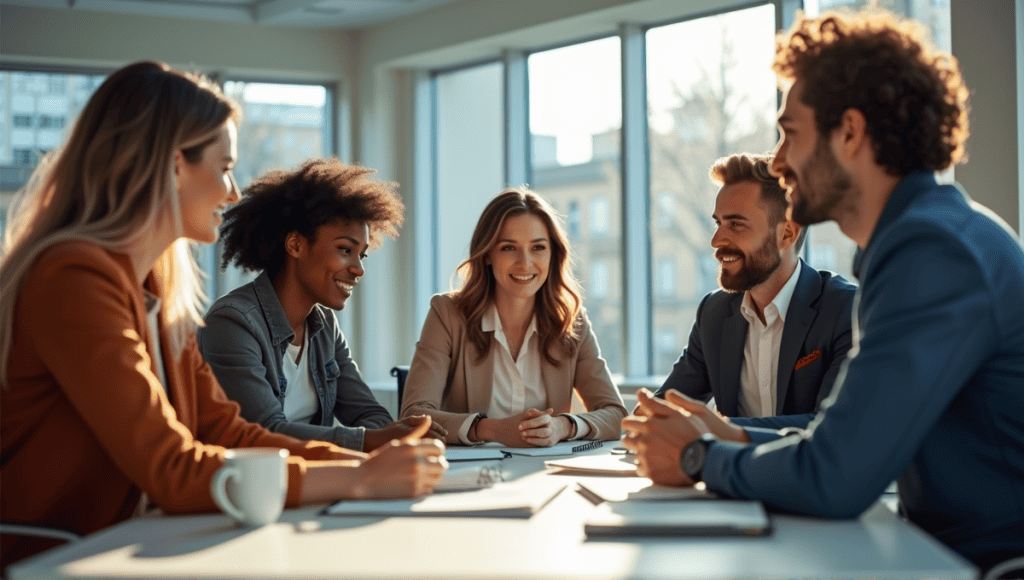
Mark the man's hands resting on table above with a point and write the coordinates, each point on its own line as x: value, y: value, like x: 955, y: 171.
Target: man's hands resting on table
x: 658, y: 431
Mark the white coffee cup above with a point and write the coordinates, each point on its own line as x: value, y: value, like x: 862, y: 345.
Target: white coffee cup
x: 252, y: 485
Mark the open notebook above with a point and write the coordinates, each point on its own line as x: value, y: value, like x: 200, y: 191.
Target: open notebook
x: 514, y: 499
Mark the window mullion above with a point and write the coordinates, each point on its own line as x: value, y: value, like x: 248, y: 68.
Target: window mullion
x: 636, y: 246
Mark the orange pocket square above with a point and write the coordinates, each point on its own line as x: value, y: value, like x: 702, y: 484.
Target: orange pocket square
x: 815, y: 355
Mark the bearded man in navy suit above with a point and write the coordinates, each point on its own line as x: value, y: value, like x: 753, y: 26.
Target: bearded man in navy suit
x: 769, y: 343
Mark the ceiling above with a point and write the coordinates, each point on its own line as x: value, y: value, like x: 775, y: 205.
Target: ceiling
x: 296, y: 13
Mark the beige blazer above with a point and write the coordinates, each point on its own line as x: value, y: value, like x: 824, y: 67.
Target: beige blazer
x: 449, y: 382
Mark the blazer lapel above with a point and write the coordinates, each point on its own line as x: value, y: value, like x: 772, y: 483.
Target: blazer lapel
x: 479, y: 378
x: 799, y: 318
x: 557, y: 384
x: 734, y: 335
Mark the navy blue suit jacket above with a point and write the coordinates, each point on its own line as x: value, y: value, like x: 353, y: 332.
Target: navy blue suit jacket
x: 932, y: 392
x: 817, y: 321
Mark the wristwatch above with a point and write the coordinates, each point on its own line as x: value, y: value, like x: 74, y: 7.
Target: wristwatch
x: 693, y: 456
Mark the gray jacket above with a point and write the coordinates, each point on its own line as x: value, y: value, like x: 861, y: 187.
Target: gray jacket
x: 244, y: 342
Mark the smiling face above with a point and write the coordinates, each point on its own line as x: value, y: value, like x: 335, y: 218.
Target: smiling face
x: 817, y: 185
x: 328, y: 267
x: 207, y: 187
x: 520, y: 257
x: 746, y: 245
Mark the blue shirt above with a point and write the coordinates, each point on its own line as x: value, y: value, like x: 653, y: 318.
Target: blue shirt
x: 932, y: 392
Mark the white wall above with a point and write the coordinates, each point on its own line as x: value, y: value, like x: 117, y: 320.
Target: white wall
x: 84, y: 38
x: 984, y: 41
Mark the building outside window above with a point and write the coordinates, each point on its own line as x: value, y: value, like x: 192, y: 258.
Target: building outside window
x: 34, y: 111
x: 276, y: 118
x: 827, y: 247
x: 583, y: 132
x: 719, y: 100
x: 710, y: 92
x: 574, y: 220
x: 600, y: 276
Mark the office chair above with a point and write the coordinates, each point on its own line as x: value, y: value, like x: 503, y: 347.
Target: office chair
x: 24, y: 530
x: 1009, y: 570
x: 400, y: 372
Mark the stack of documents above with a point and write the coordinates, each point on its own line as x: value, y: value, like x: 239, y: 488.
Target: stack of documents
x: 489, y: 451
x: 595, y: 465
x: 615, y: 489
x: 471, y: 476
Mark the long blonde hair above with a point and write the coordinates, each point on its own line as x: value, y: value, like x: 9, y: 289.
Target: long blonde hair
x: 559, y: 300
x: 110, y: 182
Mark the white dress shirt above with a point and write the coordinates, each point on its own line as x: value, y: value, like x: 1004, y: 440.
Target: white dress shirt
x: 759, y: 375
x: 517, y: 384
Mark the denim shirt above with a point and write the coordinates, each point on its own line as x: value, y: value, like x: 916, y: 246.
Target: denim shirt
x: 244, y: 342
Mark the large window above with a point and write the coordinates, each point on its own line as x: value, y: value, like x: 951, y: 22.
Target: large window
x: 681, y: 96
x: 36, y: 111
x: 470, y: 153
x: 575, y: 120
x: 827, y: 247
x: 718, y: 100
x: 282, y: 126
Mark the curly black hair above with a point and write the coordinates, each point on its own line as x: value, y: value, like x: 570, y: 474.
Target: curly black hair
x: 911, y: 95
x: 319, y: 192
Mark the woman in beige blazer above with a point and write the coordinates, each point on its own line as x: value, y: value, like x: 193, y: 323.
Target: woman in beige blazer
x: 500, y: 358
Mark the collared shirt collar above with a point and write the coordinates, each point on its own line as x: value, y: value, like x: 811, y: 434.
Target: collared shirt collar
x: 273, y: 312
x: 491, y: 322
x: 781, y: 300
x: 906, y: 190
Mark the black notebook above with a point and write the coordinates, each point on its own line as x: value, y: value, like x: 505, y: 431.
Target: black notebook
x: 679, y: 518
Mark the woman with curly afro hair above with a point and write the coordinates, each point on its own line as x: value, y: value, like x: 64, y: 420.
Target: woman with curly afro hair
x: 274, y: 343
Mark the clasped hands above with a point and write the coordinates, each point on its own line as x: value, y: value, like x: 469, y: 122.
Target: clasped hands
x: 658, y: 430
x: 531, y: 428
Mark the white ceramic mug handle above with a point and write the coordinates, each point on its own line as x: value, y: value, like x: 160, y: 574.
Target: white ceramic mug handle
x: 218, y: 489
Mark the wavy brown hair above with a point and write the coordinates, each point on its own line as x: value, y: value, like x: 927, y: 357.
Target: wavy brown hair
x: 559, y: 301
x: 911, y: 95
x: 317, y: 193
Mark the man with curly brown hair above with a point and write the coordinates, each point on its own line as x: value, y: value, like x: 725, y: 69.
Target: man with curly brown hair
x: 274, y: 343
x: 932, y: 393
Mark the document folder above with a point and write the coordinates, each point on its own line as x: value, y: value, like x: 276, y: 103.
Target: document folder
x: 516, y: 499
x: 679, y: 518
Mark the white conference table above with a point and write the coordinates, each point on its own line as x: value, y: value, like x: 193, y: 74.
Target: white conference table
x: 551, y: 544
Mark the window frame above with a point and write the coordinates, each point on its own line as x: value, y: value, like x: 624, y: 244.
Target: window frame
x: 637, y: 277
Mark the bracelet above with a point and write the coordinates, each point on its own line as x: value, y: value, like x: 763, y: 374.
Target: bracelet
x: 472, y: 428
x: 574, y: 426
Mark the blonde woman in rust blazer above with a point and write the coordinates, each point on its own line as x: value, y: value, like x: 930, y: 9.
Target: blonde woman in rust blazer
x: 499, y: 359
x: 106, y: 406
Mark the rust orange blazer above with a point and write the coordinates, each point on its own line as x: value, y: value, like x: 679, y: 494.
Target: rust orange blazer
x: 86, y: 426
x: 449, y: 382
